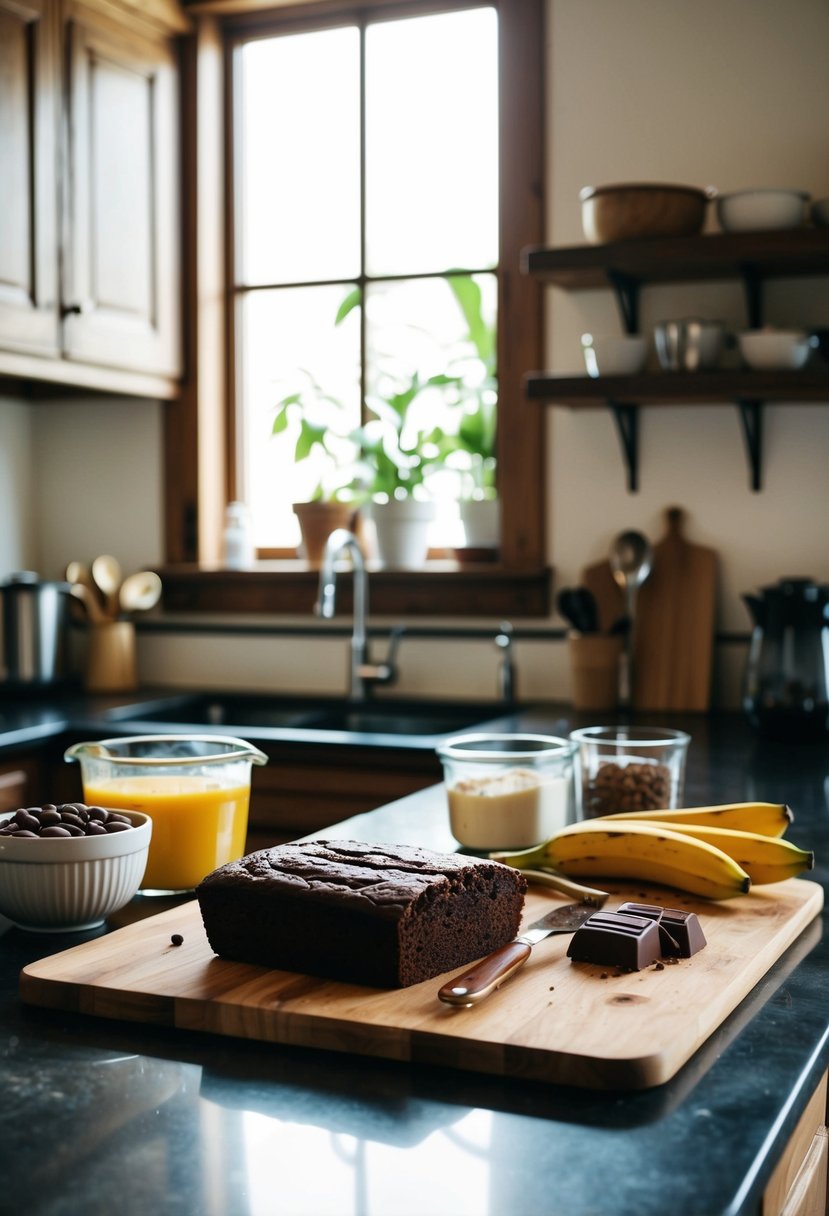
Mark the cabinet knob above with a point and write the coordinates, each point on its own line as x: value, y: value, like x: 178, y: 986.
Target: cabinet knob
x: 76, y: 309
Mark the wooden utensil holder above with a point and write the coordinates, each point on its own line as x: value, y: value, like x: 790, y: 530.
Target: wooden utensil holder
x: 594, y: 663
x: 110, y: 659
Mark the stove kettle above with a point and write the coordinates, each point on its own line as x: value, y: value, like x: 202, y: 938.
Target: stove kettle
x: 786, y: 688
x: 33, y: 617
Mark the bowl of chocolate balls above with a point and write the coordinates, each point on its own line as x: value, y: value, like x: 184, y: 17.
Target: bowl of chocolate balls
x: 66, y: 867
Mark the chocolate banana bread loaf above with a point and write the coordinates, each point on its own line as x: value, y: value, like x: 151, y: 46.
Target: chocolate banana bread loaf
x: 385, y: 915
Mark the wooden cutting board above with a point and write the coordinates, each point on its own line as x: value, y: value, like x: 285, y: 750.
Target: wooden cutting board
x: 554, y: 1021
x: 674, y: 636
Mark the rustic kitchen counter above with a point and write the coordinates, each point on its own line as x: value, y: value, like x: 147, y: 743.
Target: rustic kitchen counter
x: 99, y: 1116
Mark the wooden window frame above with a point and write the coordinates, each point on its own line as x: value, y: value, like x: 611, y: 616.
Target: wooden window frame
x: 197, y: 433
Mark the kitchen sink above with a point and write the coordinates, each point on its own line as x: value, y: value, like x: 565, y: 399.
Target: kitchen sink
x: 247, y: 714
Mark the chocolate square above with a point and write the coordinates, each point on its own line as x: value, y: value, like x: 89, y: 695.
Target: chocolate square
x: 685, y: 929
x: 680, y: 932
x: 616, y: 939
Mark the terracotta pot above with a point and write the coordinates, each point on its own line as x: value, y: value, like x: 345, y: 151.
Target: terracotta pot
x: 317, y: 520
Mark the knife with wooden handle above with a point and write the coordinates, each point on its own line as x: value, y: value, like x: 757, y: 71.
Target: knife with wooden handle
x: 487, y: 975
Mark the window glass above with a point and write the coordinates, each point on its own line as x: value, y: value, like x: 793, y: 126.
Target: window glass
x: 337, y: 354
x: 298, y: 157
x: 300, y: 373
x: 431, y: 345
x: 431, y: 143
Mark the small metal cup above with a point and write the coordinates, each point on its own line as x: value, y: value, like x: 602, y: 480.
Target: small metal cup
x: 688, y: 345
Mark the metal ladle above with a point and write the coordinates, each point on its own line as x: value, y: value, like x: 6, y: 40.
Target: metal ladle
x: 631, y: 559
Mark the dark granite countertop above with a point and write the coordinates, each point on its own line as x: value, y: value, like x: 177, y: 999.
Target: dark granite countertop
x: 99, y: 1116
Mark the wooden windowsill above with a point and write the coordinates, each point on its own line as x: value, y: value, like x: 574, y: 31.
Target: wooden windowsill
x: 444, y: 588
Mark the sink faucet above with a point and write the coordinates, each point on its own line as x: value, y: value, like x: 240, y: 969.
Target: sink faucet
x: 363, y: 674
x: 506, y: 669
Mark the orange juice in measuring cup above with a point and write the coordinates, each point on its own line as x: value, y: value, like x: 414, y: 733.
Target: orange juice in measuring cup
x: 195, y: 788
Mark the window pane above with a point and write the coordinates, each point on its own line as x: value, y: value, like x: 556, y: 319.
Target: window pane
x: 431, y: 143
x: 431, y: 342
x: 298, y: 158
x: 294, y: 353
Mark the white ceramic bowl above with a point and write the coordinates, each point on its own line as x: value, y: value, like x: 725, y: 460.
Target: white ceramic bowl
x: 761, y: 210
x: 820, y: 212
x: 60, y: 885
x: 765, y: 350
x: 614, y: 356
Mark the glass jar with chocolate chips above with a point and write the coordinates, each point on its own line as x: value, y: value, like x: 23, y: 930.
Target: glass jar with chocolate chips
x: 628, y: 768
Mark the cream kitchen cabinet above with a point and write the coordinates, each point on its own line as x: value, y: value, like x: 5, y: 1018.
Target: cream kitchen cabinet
x: 90, y: 289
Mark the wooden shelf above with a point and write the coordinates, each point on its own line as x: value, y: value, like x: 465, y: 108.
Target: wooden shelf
x: 625, y: 267
x: 802, y: 251
x: 678, y: 388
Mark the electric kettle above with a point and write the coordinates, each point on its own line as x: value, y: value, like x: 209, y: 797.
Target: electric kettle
x: 787, y: 675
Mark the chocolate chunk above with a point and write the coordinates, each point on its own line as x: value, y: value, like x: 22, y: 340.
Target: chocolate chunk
x: 670, y: 946
x: 680, y: 932
x: 686, y: 931
x: 616, y: 939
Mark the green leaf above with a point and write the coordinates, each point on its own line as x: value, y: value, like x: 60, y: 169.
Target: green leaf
x: 353, y: 300
x: 468, y: 295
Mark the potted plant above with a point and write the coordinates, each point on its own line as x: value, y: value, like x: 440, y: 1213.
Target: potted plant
x: 386, y: 465
x: 470, y: 447
x: 325, y: 436
x: 392, y: 472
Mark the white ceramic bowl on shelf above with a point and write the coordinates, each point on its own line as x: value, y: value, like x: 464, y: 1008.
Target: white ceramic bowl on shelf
x: 614, y: 355
x: 72, y: 883
x: 761, y: 210
x: 767, y: 350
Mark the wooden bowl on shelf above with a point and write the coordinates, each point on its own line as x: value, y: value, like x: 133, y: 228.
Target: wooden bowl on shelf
x: 623, y: 212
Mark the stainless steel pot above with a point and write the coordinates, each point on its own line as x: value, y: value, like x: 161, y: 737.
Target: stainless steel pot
x: 32, y: 630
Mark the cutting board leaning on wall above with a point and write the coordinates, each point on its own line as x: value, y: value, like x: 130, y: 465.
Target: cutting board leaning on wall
x: 674, y: 638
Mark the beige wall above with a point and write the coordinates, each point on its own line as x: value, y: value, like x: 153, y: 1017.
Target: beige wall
x: 731, y: 93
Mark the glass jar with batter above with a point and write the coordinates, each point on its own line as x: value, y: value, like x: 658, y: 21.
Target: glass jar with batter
x: 507, y: 791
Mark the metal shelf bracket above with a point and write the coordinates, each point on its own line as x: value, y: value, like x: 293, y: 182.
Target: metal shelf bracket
x: 751, y: 417
x: 626, y: 289
x: 753, y: 290
x: 626, y: 418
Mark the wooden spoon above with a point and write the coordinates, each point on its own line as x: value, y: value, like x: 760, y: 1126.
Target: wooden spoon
x: 94, y: 612
x: 140, y: 591
x: 106, y: 571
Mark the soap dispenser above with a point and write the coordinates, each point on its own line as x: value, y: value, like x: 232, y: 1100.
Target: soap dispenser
x: 239, y: 551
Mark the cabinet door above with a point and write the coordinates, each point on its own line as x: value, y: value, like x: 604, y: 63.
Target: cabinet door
x: 28, y: 217
x: 121, y: 287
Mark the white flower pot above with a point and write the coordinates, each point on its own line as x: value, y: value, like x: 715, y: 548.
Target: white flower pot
x: 402, y: 531
x: 481, y: 518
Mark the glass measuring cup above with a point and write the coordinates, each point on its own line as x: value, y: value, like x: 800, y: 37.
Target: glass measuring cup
x: 195, y: 788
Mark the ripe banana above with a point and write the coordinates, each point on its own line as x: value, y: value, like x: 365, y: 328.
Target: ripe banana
x: 642, y: 851
x: 765, y: 859
x: 765, y: 818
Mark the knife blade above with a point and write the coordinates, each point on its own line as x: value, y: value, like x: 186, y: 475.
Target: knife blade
x: 487, y: 975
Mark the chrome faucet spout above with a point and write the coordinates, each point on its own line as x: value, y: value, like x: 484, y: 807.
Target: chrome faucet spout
x: 362, y: 673
x: 506, y: 670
